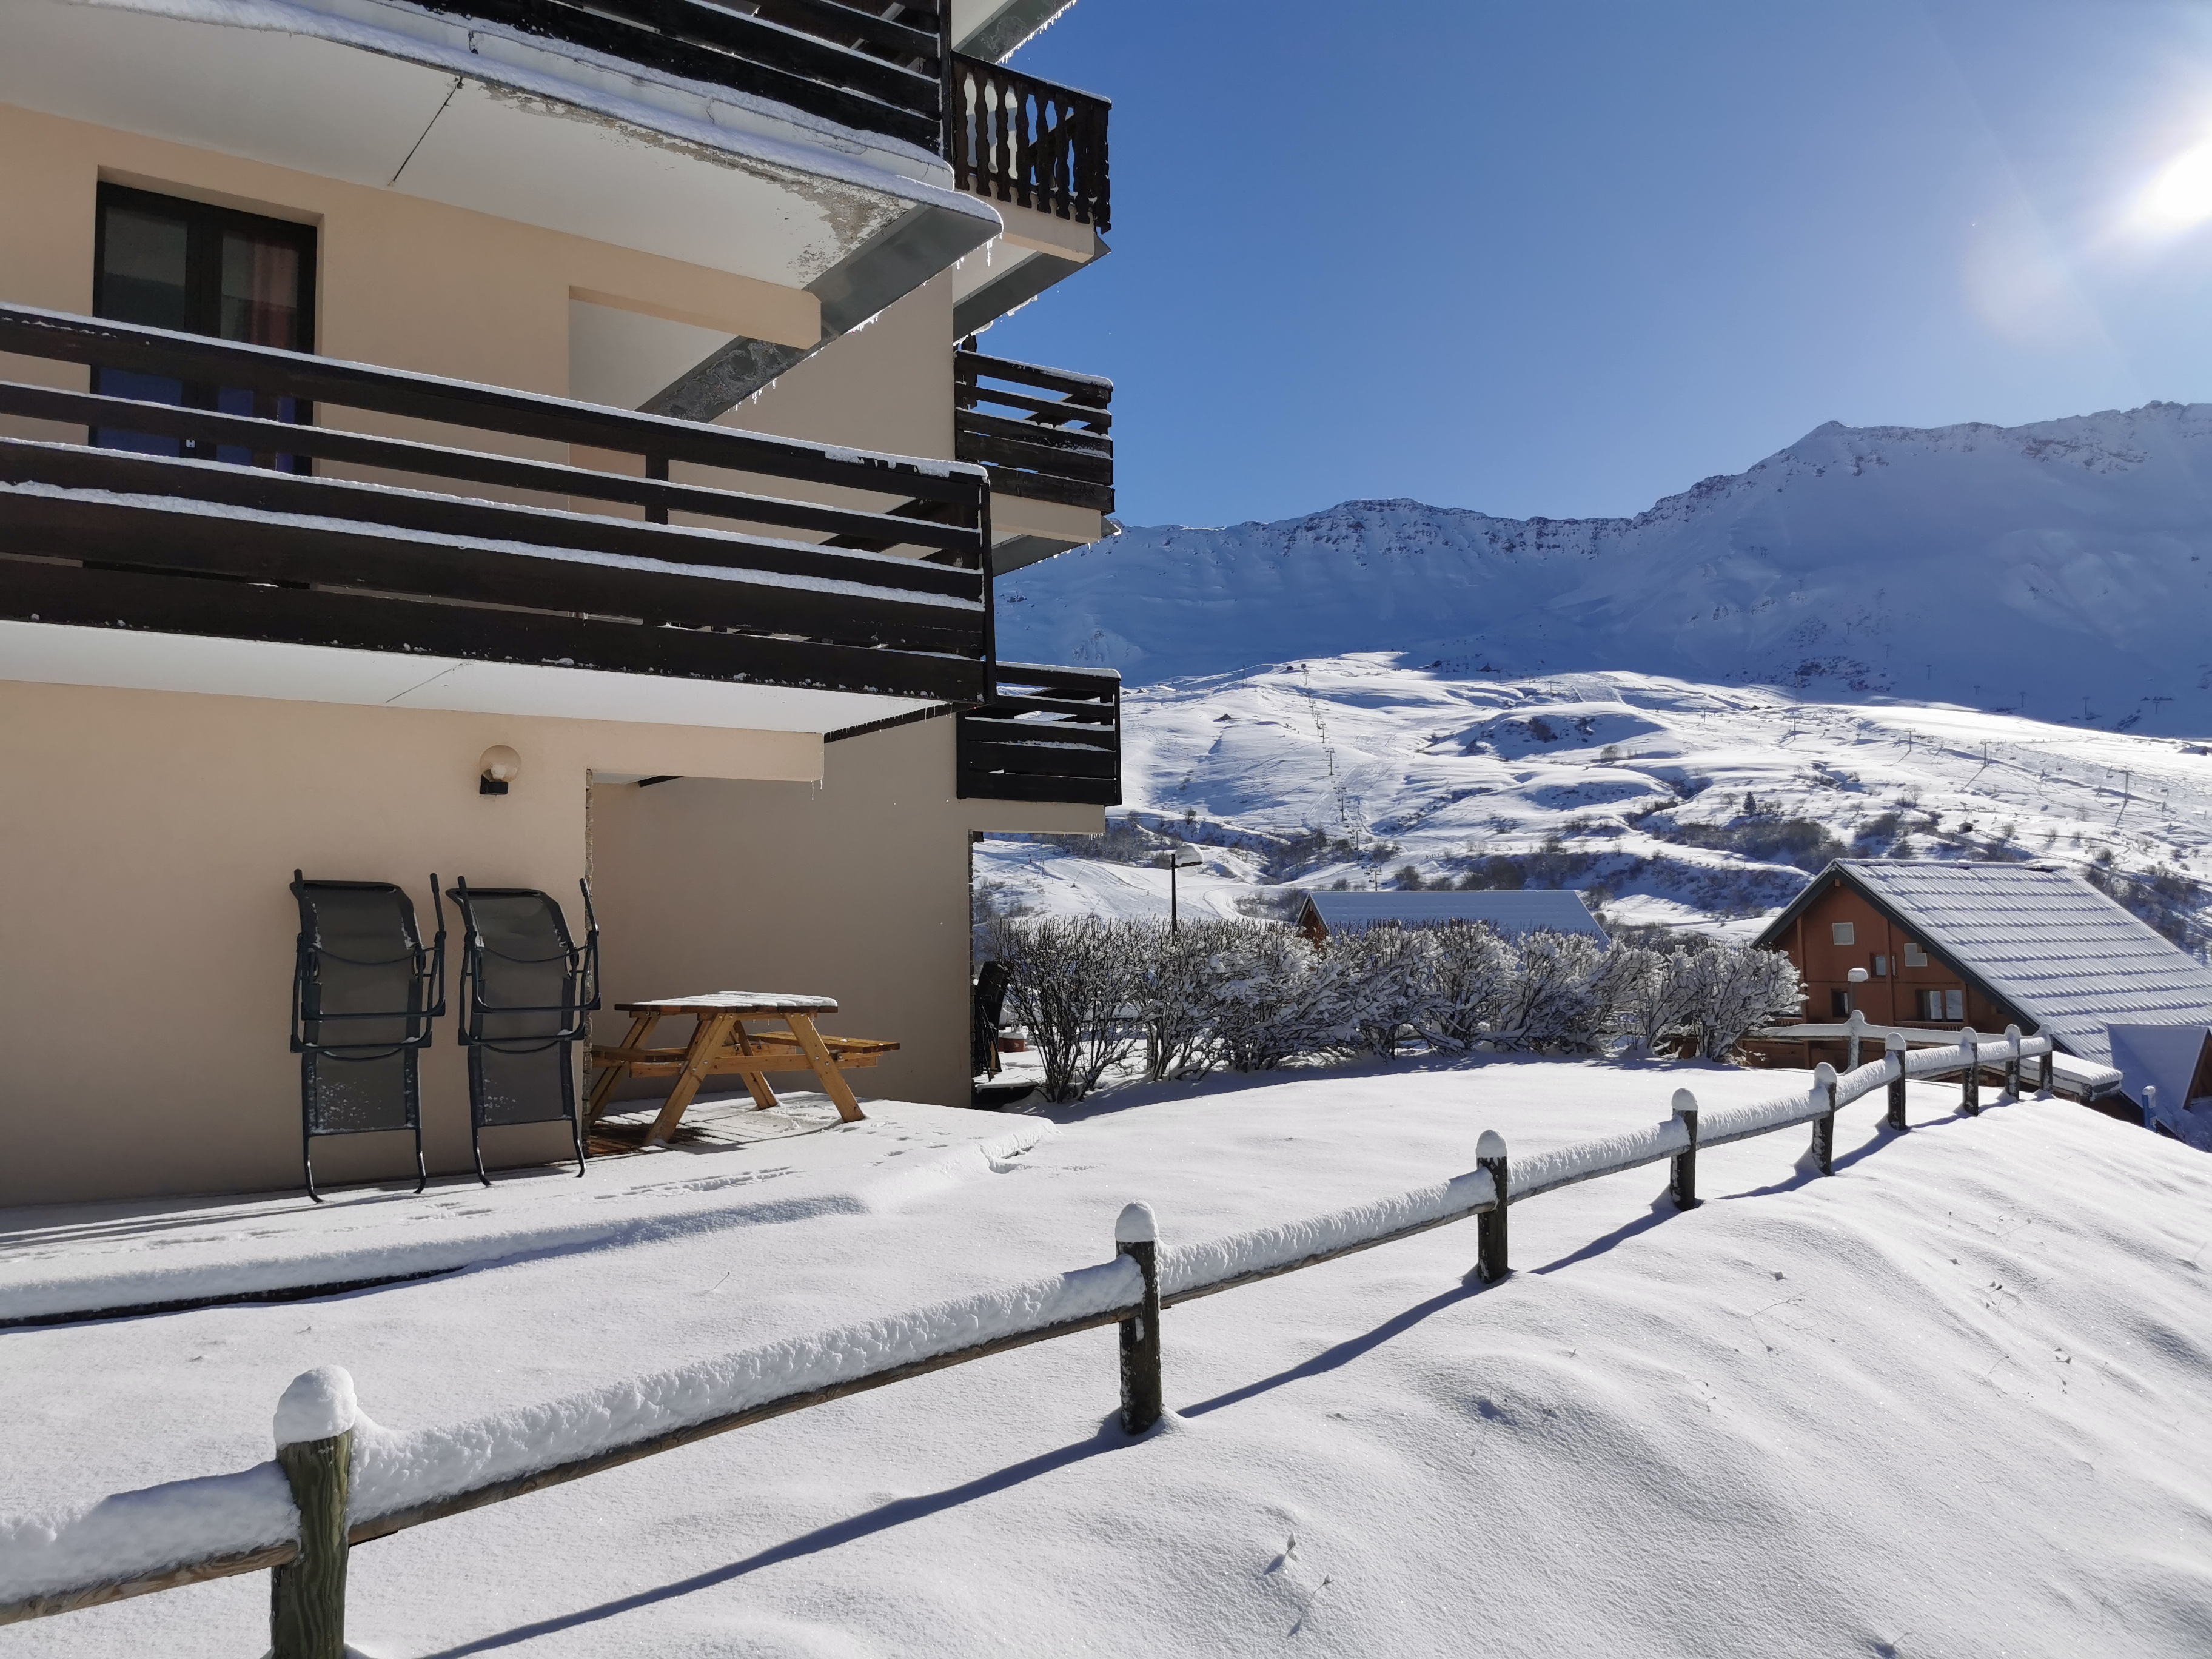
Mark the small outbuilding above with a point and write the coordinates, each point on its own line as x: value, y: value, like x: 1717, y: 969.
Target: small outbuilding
x: 1512, y: 914
x: 1941, y: 945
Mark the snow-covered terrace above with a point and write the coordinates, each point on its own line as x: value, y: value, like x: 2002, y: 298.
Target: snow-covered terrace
x: 1941, y: 1402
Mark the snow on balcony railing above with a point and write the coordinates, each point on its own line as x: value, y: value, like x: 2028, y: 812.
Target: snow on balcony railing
x: 359, y: 1482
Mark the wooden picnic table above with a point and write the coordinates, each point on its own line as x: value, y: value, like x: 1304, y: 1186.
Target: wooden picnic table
x: 720, y: 1045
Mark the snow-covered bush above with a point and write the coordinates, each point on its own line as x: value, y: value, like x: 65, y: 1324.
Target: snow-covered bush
x: 1474, y: 970
x: 1567, y: 996
x: 1662, y: 999
x: 1734, y: 991
x: 1270, y: 995
x: 1385, y: 982
x: 1169, y: 995
x: 1072, y: 979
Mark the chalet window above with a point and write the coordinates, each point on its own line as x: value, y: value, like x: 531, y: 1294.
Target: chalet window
x: 1954, y: 1005
x: 1881, y: 967
x: 1944, y: 1004
x: 1914, y: 956
x: 1839, y: 1004
x: 1842, y: 932
x: 167, y: 263
x: 1931, y: 1004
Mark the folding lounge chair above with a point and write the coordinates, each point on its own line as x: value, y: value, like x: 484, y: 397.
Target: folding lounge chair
x: 526, y: 988
x: 364, y: 992
x: 987, y: 1010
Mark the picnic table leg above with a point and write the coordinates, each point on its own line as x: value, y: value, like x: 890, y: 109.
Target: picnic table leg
x: 825, y: 1066
x: 707, y: 1038
x: 764, y: 1098
x: 640, y: 1028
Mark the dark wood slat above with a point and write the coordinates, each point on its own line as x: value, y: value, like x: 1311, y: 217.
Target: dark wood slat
x: 1025, y: 141
x: 250, y: 550
x: 90, y: 340
x: 1045, y: 412
x: 879, y: 530
x: 1050, y: 438
x: 1039, y: 487
x: 994, y: 452
x: 779, y: 64
x: 1040, y: 761
x: 140, y: 602
x: 979, y: 726
x: 913, y: 33
x: 70, y: 467
x: 1083, y: 713
x: 998, y: 786
x: 1082, y: 388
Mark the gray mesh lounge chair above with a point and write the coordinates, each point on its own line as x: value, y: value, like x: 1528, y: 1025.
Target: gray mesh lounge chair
x: 526, y: 988
x: 364, y: 992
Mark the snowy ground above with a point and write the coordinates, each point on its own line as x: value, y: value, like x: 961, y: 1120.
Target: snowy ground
x: 1402, y: 763
x: 1949, y: 1402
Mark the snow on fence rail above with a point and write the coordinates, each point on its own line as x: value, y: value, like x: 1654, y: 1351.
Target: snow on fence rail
x: 340, y: 1479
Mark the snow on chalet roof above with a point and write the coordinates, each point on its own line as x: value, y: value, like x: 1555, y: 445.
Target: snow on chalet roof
x: 1511, y: 913
x: 2045, y: 941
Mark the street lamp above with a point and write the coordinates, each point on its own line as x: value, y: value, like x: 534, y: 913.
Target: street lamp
x: 1181, y: 856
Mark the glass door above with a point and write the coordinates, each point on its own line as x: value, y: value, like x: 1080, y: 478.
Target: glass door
x: 167, y: 263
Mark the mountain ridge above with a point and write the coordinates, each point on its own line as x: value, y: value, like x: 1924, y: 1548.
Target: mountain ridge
x: 2077, y: 552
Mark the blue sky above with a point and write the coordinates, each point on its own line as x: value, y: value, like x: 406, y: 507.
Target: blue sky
x: 1543, y: 257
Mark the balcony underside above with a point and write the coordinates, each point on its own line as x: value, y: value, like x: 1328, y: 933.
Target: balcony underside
x: 388, y: 96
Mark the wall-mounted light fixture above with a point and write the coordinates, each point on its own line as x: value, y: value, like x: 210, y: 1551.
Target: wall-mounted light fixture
x: 499, y: 766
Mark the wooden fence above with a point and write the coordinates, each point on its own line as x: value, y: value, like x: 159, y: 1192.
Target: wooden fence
x: 308, y: 1550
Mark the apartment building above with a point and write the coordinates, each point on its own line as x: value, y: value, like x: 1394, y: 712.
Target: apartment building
x: 385, y: 385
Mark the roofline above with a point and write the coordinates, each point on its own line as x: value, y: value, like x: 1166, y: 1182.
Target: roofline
x: 1837, y: 867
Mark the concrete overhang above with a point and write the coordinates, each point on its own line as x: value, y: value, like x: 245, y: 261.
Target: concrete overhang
x: 130, y: 659
x: 1032, y: 253
x: 384, y: 94
x: 996, y: 29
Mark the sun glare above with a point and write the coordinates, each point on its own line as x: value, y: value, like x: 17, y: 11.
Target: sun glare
x: 2182, y: 196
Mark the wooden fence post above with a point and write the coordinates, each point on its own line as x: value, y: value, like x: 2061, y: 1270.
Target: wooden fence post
x: 1894, y: 1049
x: 1682, y: 1176
x: 2012, y: 1062
x: 314, y: 1448
x: 1970, y: 1080
x: 1858, y: 1034
x: 1492, y: 1262
x: 1136, y: 1235
x: 1823, y: 1126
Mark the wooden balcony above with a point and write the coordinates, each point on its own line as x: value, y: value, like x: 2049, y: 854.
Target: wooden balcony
x: 1015, y: 138
x: 843, y: 63
x: 197, y: 517
x: 1046, y: 734
x: 1043, y: 433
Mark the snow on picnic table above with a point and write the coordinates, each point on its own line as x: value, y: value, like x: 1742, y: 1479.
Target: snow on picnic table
x: 1948, y: 1401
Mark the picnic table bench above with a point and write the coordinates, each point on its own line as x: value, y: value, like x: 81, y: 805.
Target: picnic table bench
x: 721, y: 1045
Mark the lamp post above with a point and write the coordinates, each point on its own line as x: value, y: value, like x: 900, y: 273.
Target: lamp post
x: 1181, y: 856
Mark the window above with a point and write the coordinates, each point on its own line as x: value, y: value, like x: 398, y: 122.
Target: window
x: 1839, y: 1004
x: 1881, y: 967
x: 1914, y: 956
x: 171, y: 263
x: 1954, y: 1006
x: 1842, y: 932
x: 1949, y: 1005
x: 1931, y: 1004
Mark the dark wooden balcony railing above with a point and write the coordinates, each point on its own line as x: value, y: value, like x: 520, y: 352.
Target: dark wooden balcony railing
x: 1046, y: 734
x: 1018, y: 139
x: 845, y: 62
x: 1044, y: 433
x: 199, y: 540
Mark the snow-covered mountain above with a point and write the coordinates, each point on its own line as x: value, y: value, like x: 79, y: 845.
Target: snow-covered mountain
x: 1687, y: 805
x: 2061, y: 570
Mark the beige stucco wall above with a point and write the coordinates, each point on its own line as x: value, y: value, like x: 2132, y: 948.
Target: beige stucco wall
x: 147, y: 970
x: 855, y: 888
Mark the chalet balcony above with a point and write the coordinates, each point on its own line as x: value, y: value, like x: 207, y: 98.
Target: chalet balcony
x: 1044, y: 435
x: 1016, y: 139
x: 1046, y: 734
x: 683, y: 575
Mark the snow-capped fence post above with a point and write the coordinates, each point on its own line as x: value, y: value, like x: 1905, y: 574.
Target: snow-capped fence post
x: 1970, y: 1080
x: 1492, y: 1262
x: 1136, y: 1235
x: 1858, y: 1026
x: 1894, y: 1050
x: 2012, y: 1062
x: 1682, y: 1169
x: 314, y: 1448
x: 1823, y: 1126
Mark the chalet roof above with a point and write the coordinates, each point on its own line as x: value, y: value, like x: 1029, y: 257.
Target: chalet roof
x: 1547, y: 910
x: 2037, y: 937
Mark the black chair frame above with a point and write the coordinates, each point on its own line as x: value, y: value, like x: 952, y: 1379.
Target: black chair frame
x: 580, y: 997
x: 426, y: 1000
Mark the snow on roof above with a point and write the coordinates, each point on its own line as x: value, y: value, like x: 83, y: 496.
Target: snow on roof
x: 2045, y: 941
x: 2166, y: 1056
x: 1558, y: 911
